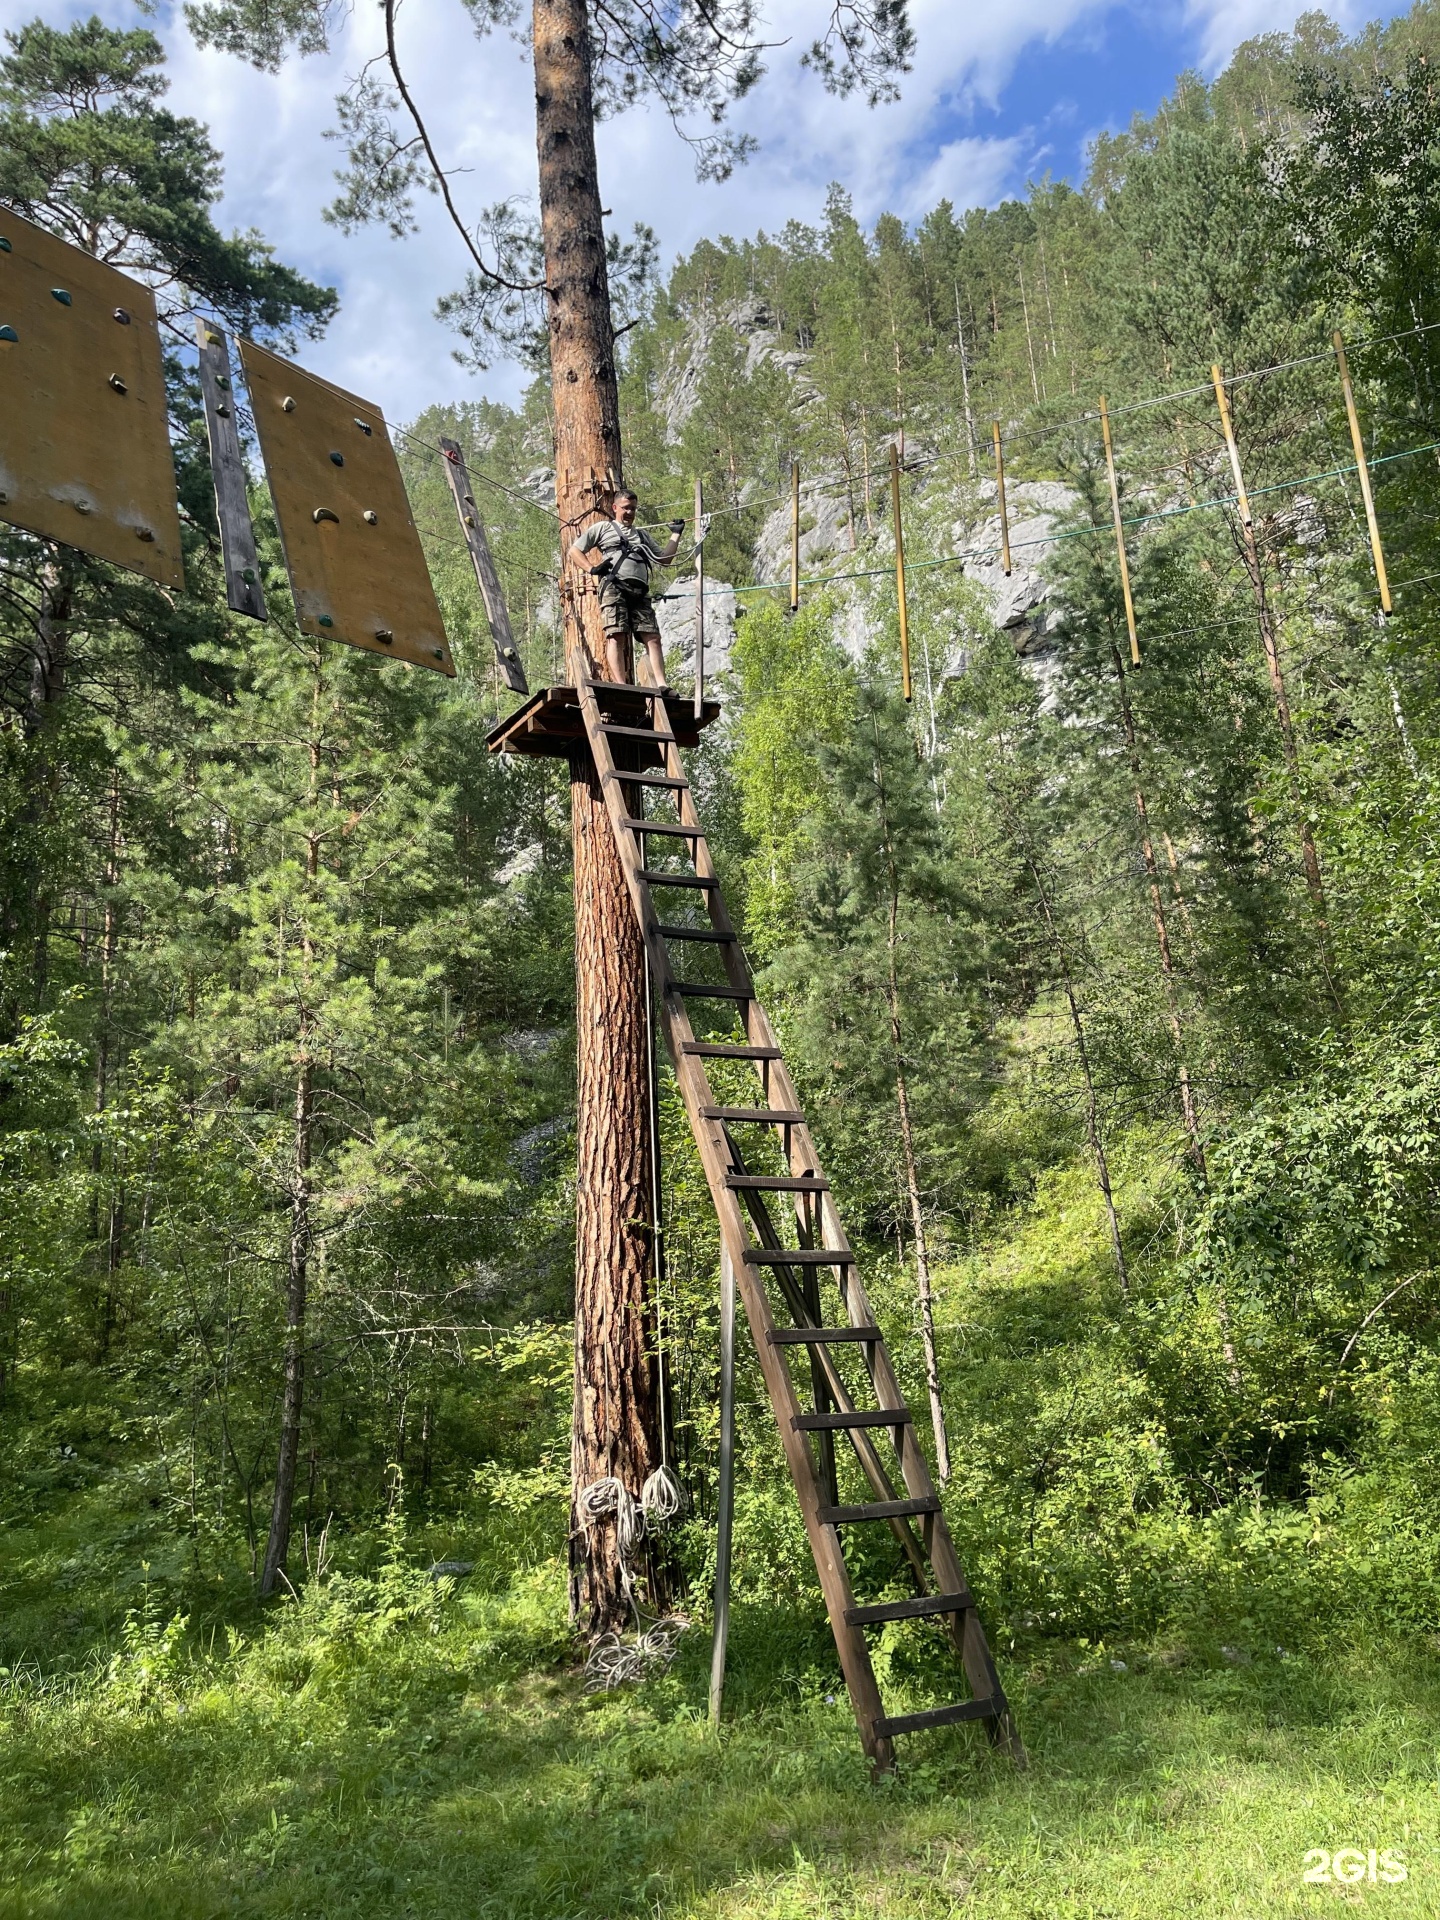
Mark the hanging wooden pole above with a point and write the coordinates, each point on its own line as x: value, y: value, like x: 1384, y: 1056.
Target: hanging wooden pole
x: 794, y: 536
x: 507, y: 654
x: 1309, y: 852
x: 1000, y: 496
x: 1362, y: 467
x: 1119, y: 531
x: 900, y: 572
x: 1242, y: 498
x: 699, y: 597
x: 725, y: 1498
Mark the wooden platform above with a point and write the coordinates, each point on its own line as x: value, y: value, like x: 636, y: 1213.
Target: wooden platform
x: 550, y: 722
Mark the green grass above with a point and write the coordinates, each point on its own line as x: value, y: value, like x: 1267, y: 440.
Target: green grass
x: 384, y: 1750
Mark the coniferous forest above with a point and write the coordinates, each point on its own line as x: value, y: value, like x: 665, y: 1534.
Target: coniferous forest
x: 1112, y: 989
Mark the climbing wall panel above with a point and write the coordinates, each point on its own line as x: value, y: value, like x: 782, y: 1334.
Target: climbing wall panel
x: 356, y: 565
x: 84, y: 445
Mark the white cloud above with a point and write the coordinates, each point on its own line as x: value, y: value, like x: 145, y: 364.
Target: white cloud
x: 479, y: 102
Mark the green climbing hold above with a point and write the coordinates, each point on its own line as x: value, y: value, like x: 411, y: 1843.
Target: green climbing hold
x: 59, y: 293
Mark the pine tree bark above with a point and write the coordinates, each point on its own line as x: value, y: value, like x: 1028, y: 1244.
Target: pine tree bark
x: 615, y: 1430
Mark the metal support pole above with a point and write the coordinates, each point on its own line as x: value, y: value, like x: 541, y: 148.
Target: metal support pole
x: 726, y: 1500
x: 1119, y: 532
x: 1000, y: 495
x: 1362, y: 467
x: 794, y: 536
x: 900, y: 572
x: 699, y: 598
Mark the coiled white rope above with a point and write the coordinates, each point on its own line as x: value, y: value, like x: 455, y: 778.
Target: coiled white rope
x: 614, y: 1662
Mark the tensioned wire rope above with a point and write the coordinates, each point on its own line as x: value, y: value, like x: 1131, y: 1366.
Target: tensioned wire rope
x: 1011, y: 438
x: 990, y: 550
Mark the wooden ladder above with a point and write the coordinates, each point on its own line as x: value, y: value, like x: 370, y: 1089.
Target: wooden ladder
x: 765, y: 1265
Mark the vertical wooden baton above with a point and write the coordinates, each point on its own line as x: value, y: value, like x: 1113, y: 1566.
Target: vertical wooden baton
x: 699, y: 597
x: 900, y: 572
x: 507, y: 654
x: 1362, y: 467
x: 1119, y: 532
x: 1242, y: 498
x: 243, y: 591
x: 794, y: 536
x: 1000, y: 496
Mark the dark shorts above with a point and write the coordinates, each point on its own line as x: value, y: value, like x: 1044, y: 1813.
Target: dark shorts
x: 622, y: 612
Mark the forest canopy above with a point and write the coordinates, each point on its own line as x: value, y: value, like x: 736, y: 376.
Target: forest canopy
x: 1146, y: 953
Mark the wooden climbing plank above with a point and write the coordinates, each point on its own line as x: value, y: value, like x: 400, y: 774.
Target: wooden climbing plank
x: 804, y: 1336
x: 927, y: 1603
x: 757, y: 1116
x: 799, y: 1257
x: 990, y: 1709
x: 866, y: 1417
x: 877, y: 1510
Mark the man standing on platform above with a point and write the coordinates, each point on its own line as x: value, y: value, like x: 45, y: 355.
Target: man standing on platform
x: 622, y: 555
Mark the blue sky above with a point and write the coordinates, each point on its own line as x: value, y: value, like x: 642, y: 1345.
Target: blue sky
x: 1000, y: 93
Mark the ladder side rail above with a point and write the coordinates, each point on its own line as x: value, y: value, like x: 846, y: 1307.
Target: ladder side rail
x: 872, y: 1463
x: 825, y: 1542
x: 850, y: 1642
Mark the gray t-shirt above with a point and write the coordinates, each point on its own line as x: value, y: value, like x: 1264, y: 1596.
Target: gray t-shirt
x: 630, y: 551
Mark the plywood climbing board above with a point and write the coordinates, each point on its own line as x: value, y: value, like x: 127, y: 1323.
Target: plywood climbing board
x: 848, y: 1435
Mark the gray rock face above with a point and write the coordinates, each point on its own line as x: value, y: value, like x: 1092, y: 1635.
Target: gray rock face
x: 676, y: 613
x: 824, y: 529
x: 753, y: 322
x: 1021, y: 601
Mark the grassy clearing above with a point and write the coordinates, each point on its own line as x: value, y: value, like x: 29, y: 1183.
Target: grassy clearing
x: 381, y: 1748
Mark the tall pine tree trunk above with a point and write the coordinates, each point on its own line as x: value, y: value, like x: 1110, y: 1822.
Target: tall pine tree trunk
x: 616, y: 1428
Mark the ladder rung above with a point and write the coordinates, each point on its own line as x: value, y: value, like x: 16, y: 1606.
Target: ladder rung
x: 728, y: 1050
x: 776, y: 1183
x: 769, y: 1116
x: 696, y: 990
x: 638, y: 733
x: 674, y: 828
x: 810, y: 1336
x: 693, y: 933
x: 908, y: 1609
x: 646, y: 779
x: 798, y: 1257
x: 622, y: 686
x: 879, y: 1510
x: 835, y: 1422
x: 937, y: 1717
x: 655, y: 877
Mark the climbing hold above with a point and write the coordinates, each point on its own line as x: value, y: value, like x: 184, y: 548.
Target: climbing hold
x: 122, y: 316
x: 385, y: 634
x: 287, y: 405
x: 5, y: 246
x: 363, y: 428
x: 324, y: 513
x: 144, y: 533
x: 59, y: 293
x: 370, y: 517
x: 326, y: 621
x: 337, y: 459
x: 118, y: 384
x: 9, y: 337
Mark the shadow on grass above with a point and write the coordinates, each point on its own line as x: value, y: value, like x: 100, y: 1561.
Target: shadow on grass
x: 432, y: 1769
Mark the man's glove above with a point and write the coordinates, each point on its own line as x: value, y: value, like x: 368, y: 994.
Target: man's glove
x: 676, y: 526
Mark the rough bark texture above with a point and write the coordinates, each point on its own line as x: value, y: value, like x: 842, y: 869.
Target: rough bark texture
x: 615, y: 1429
x: 616, y: 1421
